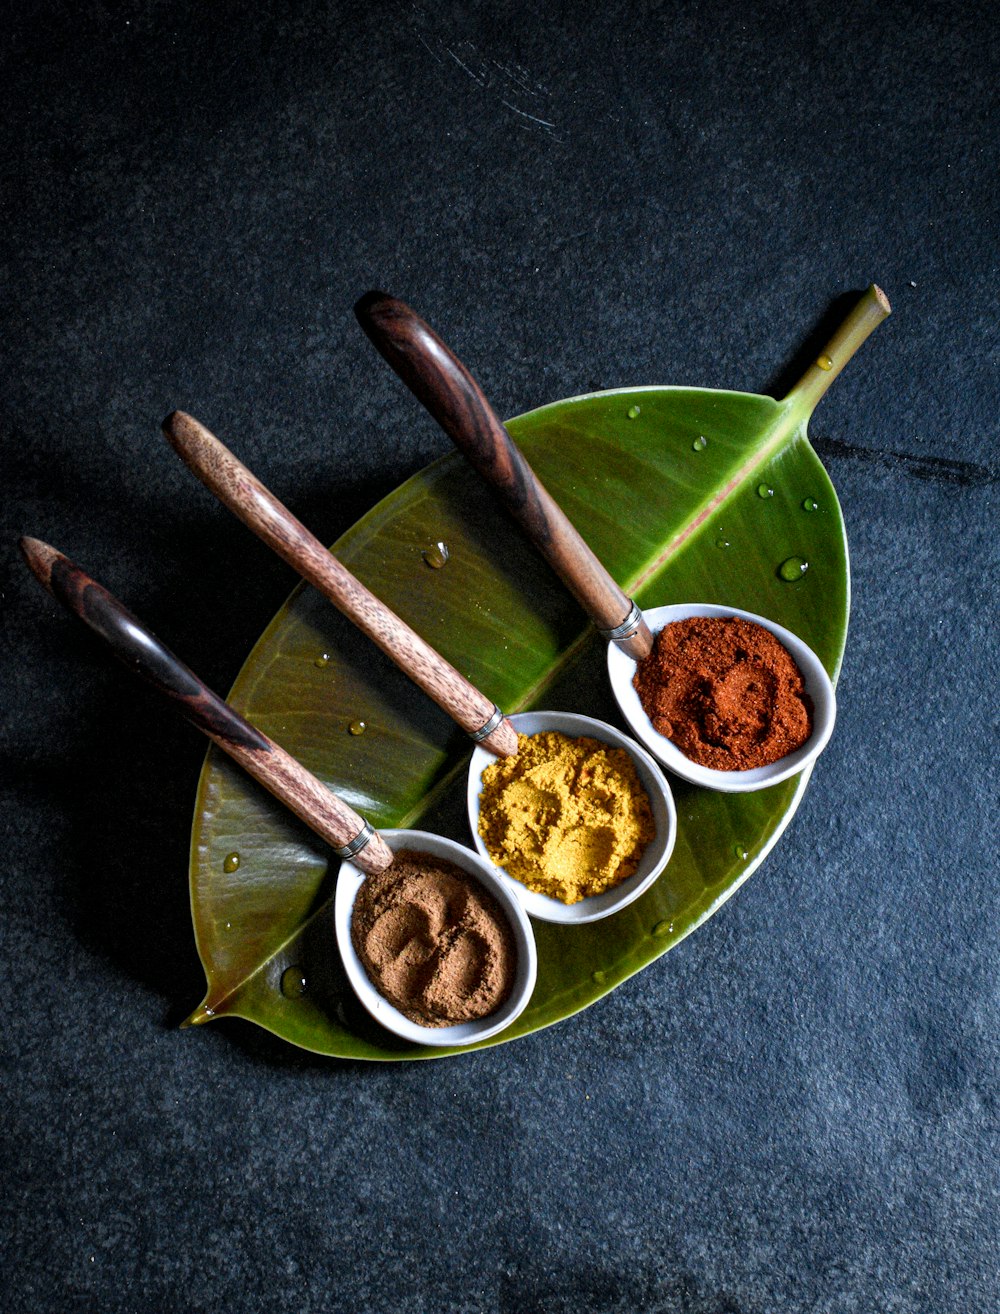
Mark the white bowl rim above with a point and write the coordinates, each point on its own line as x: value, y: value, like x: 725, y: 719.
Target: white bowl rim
x: 819, y: 686
x: 349, y: 881
x: 656, y: 855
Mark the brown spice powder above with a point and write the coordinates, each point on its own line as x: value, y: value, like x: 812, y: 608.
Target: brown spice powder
x: 725, y: 691
x: 433, y: 941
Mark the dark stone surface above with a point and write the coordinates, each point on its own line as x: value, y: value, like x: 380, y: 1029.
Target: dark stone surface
x: 797, y: 1108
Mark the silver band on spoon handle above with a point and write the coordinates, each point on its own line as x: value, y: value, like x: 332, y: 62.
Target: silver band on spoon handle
x: 630, y: 626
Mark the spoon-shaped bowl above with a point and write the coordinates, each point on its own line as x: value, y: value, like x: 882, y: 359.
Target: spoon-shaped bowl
x: 349, y: 882
x: 621, y: 669
x: 655, y: 856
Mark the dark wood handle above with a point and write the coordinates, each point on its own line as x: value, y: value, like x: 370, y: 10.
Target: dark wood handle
x: 442, y: 383
x: 240, y: 490
x: 144, y: 654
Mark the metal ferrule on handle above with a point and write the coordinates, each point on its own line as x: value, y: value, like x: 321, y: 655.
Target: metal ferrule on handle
x: 359, y: 841
x: 629, y: 627
x: 484, y: 731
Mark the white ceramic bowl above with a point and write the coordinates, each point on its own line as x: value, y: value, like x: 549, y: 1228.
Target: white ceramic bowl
x: 350, y: 881
x: 621, y: 669
x: 655, y: 856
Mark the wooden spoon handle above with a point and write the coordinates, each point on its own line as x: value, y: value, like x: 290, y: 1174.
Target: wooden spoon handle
x: 440, y: 380
x: 331, y: 818
x: 244, y: 494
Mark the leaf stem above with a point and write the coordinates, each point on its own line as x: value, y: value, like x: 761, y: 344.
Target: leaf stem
x: 872, y: 308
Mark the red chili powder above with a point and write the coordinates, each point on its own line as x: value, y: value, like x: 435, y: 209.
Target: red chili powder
x: 726, y: 692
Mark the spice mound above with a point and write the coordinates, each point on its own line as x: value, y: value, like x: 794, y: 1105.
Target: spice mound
x: 433, y: 941
x: 566, y: 817
x: 726, y: 692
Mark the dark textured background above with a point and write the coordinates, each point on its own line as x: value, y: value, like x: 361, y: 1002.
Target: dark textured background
x: 797, y: 1108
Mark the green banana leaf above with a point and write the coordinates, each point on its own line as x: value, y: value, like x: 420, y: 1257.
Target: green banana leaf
x: 686, y: 494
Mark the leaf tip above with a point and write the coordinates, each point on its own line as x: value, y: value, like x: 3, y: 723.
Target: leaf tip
x: 200, y: 1015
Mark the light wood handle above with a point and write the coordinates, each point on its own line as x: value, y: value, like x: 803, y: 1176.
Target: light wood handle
x: 240, y: 490
x: 443, y: 384
x: 140, y: 650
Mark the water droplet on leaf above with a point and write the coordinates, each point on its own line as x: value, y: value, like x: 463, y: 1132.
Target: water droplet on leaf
x: 810, y: 504
x: 231, y: 863
x: 792, y: 568
x: 322, y: 660
x: 633, y: 412
x: 700, y: 443
x: 824, y: 362
x: 357, y: 727
x: 765, y: 490
x: 293, y: 983
x: 436, y: 555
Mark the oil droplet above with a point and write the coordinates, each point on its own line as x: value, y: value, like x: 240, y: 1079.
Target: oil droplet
x: 792, y: 568
x: 824, y: 362
x: 293, y: 983
x: 598, y: 977
x: 231, y: 863
x: 740, y: 852
x: 357, y: 727
x: 700, y: 443
x: 663, y: 928
x: 436, y: 555
x: 722, y: 543
x: 322, y: 660
x: 765, y: 490
x: 810, y: 504
x: 633, y: 412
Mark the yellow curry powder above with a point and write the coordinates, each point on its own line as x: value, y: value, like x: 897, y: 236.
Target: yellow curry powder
x: 566, y: 817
